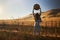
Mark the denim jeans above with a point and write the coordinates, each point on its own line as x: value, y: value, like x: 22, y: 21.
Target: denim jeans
x: 37, y: 26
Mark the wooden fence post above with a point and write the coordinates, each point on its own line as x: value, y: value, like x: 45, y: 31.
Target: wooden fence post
x: 46, y: 28
x: 55, y: 28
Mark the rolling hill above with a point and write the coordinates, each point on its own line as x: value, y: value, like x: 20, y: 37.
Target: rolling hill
x: 53, y: 13
x: 50, y: 15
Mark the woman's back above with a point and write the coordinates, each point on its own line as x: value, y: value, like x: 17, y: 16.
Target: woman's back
x: 37, y: 17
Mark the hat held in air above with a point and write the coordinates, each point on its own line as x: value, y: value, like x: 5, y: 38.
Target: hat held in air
x: 36, y: 7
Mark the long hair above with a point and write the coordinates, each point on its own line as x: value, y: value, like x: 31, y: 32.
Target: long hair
x: 37, y: 16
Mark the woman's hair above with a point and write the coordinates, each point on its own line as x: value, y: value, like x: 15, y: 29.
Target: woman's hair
x: 37, y: 15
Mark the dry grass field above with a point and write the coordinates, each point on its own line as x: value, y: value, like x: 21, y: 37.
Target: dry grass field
x: 22, y: 29
x: 25, y: 32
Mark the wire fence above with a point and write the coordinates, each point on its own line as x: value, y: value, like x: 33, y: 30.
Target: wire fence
x: 51, y: 28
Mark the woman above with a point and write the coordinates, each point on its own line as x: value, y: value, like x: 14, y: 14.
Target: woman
x: 37, y: 18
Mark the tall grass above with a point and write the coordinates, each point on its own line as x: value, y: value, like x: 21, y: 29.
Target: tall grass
x: 25, y: 32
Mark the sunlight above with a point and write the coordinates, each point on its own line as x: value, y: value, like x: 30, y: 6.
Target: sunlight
x: 1, y: 9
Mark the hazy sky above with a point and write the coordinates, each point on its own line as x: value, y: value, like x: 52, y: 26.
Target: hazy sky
x: 19, y: 8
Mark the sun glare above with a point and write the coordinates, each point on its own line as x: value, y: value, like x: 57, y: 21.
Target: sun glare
x: 0, y: 10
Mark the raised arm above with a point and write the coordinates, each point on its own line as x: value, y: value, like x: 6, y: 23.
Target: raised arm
x: 33, y: 12
x: 40, y: 11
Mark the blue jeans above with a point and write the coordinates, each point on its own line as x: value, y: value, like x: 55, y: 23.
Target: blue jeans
x: 37, y: 26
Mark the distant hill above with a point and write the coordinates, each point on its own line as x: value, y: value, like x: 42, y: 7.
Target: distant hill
x: 53, y: 13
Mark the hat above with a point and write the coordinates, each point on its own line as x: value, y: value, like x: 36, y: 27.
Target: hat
x: 36, y: 6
